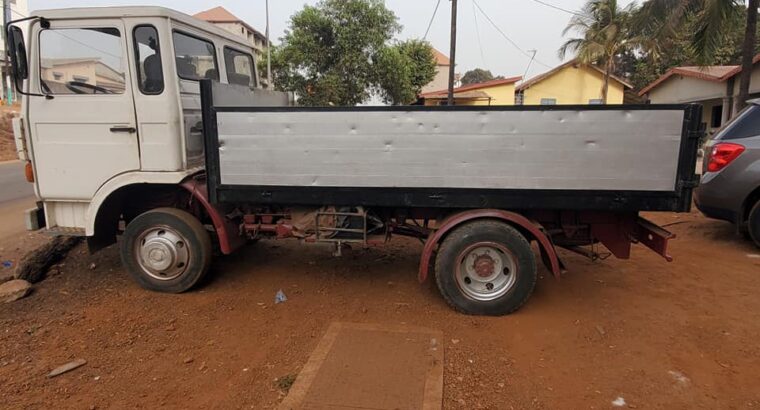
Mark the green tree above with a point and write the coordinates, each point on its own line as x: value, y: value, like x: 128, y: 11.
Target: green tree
x: 713, y: 30
x: 402, y: 70
x: 603, y: 27
x: 338, y: 52
x: 477, y: 75
x: 660, y: 52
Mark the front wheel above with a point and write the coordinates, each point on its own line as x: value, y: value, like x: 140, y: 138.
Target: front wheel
x: 486, y: 268
x: 166, y: 250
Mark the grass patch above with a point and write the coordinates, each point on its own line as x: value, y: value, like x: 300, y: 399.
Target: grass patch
x: 284, y: 383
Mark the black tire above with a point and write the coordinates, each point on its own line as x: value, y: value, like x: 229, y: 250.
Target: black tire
x: 456, y: 247
x: 187, y: 271
x: 754, y: 223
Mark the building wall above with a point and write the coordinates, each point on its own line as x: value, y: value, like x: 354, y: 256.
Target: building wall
x: 573, y: 85
x: 67, y: 72
x: 679, y: 89
x: 713, y: 124
x: 441, y: 80
x: 500, y: 95
x: 242, y: 31
x: 754, y: 84
x: 86, y: 72
x: 431, y: 102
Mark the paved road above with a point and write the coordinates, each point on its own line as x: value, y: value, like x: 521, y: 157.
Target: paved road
x: 13, y: 185
x: 16, y: 195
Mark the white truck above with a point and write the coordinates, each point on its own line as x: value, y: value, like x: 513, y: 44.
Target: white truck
x: 146, y: 124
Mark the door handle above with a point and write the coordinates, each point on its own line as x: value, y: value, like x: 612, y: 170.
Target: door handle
x: 130, y: 130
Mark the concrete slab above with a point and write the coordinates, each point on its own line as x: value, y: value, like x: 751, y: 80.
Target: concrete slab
x: 369, y: 366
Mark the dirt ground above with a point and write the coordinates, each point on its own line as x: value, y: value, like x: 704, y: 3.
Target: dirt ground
x: 658, y: 335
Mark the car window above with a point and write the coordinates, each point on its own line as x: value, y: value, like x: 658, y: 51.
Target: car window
x: 82, y: 61
x: 195, y: 58
x: 744, y: 125
x: 150, y: 72
x: 239, y: 67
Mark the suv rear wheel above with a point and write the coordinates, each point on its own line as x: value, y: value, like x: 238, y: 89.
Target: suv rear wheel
x: 754, y: 223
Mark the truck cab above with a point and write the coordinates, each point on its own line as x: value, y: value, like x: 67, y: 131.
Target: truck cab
x: 112, y: 100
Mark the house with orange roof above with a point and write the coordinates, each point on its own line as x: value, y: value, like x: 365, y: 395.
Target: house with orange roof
x: 441, y: 79
x: 221, y: 17
x: 714, y: 87
x: 572, y: 83
x: 494, y: 92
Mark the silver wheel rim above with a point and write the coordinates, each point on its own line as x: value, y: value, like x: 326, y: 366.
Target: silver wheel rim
x: 162, y: 253
x: 486, y: 271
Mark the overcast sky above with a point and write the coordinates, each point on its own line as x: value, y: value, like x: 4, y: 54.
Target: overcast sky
x: 530, y: 25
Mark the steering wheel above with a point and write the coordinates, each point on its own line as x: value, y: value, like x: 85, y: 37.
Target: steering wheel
x: 76, y: 87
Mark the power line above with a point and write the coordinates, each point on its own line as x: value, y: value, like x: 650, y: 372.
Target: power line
x: 432, y: 19
x: 477, y: 31
x: 543, y: 3
x: 512, y: 42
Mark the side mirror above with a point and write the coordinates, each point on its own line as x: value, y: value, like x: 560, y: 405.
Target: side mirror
x: 17, y: 51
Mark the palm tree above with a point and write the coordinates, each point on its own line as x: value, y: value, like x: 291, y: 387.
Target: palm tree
x: 661, y: 18
x: 604, y: 35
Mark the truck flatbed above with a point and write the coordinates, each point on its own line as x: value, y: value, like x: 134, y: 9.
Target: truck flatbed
x: 624, y: 158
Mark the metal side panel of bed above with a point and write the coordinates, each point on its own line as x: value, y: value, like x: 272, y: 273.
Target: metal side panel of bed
x: 560, y: 157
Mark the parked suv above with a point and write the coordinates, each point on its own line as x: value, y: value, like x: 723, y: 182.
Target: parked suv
x: 730, y: 187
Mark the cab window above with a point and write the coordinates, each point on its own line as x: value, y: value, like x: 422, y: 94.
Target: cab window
x: 82, y: 61
x: 150, y: 72
x: 195, y: 57
x: 239, y: 67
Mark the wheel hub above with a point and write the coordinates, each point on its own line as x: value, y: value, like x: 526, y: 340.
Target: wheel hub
x: 159, y: 255
x: 486, y: 271
x: 162, y: 253
x: 484, y: 265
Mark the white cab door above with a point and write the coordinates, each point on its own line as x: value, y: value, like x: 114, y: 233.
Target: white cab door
x: 86, y: 134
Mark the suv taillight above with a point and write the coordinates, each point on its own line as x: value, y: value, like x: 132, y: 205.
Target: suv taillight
x: 722, y: 154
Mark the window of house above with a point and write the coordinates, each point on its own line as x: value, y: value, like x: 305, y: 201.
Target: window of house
x: 717, y: 116
x: 195, y: 57
x: 239, y: 67
x: 82, y: 61
x: 548, y: 101
x: 150, y: 71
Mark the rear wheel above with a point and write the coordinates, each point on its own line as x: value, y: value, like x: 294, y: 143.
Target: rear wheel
x: 486, y: 268
x: 754, y: 223
x: 166, y: 250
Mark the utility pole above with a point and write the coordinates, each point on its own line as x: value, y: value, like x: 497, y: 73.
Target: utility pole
x: 269, y: 52
x: 453, y: 52
x: 532, y: 57
x: 6, y: 64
